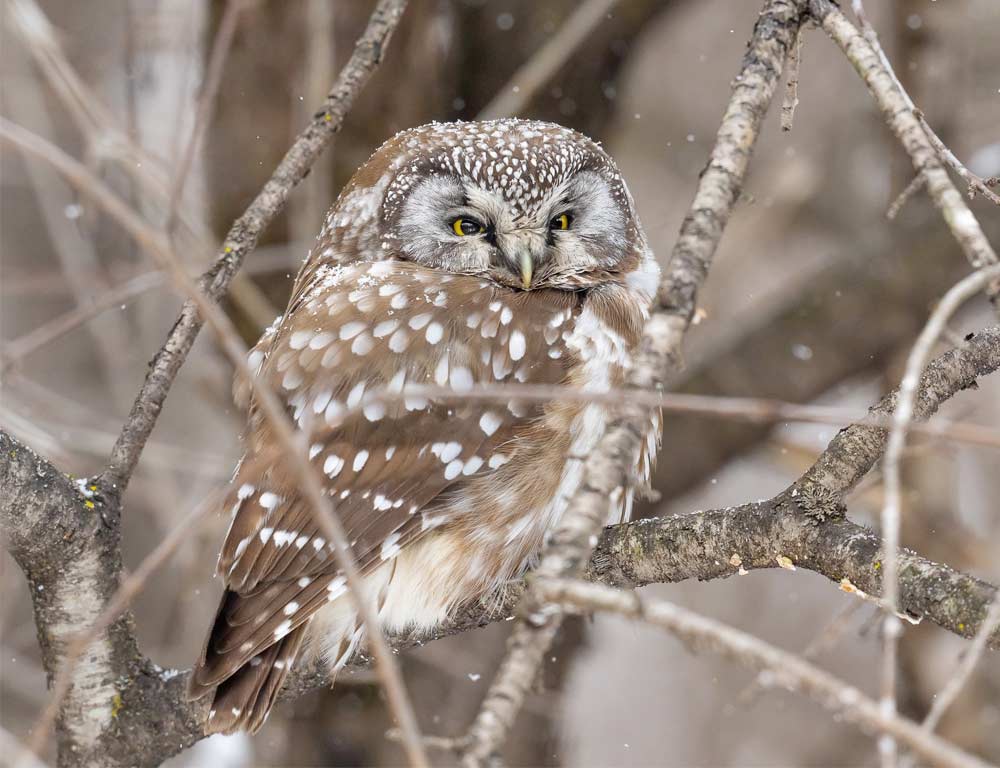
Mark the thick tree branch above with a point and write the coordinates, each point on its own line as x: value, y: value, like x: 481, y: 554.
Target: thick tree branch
x: 66, y: 539
x: 73, y: 587
x: 155, y: 720
x: 121, y: 709
x: 606, y: 473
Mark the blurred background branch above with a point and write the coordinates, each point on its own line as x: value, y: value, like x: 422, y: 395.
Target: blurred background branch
x: 814, y: 298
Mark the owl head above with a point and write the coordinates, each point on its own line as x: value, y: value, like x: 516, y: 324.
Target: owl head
x: 524, y: 204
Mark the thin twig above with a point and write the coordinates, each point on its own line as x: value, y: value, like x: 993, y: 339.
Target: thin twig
x: 911, y: 189
x: 243, y: 237
x: 788, y: 670
x: 972, y: 655
x: 272, y: 409
x: 865, y: 53
x: 824, y: 640
x: 892, y: 485
x: 976, y: 184
x: 15, y: 351
x: 792, y: 65
x: 607, y: 471
x: 103, y: 138
x: 206, y: 101
x: 517, y: 93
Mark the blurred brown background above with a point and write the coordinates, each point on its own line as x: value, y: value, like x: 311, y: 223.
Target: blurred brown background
x: 814, y: 296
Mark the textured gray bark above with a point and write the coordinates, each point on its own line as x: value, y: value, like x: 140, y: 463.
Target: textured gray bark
x: 122, y: 709
x: 68, y: 552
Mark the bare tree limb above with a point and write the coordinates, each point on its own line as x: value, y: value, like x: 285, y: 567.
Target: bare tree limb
x: 271, y: 408
x: 789, y: 670
x: 517, y: 93
x: 973, y: 654
x: 892, y: 506
x: 606, y: 471
x: 243, y: 237
x: 897, y: 108
x: 155, y: 720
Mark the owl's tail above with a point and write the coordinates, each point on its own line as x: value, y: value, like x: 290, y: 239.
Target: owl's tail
x: 242, y: 690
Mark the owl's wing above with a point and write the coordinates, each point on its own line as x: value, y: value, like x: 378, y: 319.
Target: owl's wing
x: 356, y: 329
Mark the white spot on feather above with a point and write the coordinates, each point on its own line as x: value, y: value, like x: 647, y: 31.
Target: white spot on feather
x: 419, y: 321
x: 352, y: 329
x: 282, y: 629
x: 435, y: 331
x: 399, y: 340
x: 490, y: 422
x: 384, y: 328
x: 518, y: 345
x: 362, y: 344
x: 461, y: 378
x: 390, y: 547
x: 299, y: 339
x: 359, y: 460
x: 332, y: 465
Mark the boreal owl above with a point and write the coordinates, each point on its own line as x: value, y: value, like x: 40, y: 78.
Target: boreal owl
x: 461, y: 255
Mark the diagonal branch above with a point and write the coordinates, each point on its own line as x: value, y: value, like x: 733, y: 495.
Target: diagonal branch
x: 159, y: 721
x: 897, y: 108
x: 243, y: 237
x: 789, y: 671
x: 607, y: 470
x: 159, y: 248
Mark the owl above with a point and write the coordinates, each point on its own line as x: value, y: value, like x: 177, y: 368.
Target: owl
x: 459, y: 255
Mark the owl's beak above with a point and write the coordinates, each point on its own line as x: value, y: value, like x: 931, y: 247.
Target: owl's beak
x: 527, y: 268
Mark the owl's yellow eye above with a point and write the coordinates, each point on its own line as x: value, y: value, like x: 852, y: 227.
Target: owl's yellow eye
x: 562, y: 221
x: 465, y: 227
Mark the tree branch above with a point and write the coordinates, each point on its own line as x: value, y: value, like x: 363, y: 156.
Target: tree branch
x: 154, y: 720
x: 606, y: 473
x: 242, y: 239
x: 789, y: 670
x: 868, y: 60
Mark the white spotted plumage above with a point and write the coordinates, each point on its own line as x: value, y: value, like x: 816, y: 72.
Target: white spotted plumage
x: 443, y: 500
